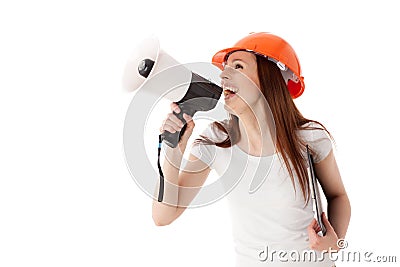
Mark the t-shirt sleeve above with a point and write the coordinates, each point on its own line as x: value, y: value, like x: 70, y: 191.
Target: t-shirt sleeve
x: 320, y: 143
x: 207, y: 152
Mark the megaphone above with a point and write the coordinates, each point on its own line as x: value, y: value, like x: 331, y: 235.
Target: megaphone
x: 191, y: 91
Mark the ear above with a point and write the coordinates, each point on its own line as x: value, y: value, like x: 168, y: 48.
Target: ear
x: 293, y: 87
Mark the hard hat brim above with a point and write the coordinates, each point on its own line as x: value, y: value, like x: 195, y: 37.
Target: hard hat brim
x: 220, y: 58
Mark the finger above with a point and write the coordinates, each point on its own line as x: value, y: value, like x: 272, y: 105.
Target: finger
x: 312, y: 235
x: 173, y: 118
x: 315, y: 226
x: 175, y: 107
x: 171, y: 125
x: 168, y: 128
x: 311, y: 225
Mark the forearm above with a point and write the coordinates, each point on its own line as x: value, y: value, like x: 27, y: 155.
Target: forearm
x: 339, y: 212
x: 164, y: 212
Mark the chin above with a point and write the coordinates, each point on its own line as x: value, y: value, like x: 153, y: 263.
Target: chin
x: 229, y: 109
x: 233, y: 110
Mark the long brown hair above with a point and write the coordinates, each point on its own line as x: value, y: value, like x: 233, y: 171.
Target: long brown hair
x: 288, y: 119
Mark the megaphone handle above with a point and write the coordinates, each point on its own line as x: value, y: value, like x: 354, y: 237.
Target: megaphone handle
x: 172, y: 139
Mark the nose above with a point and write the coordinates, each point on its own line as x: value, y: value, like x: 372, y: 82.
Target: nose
x: 225, y: 74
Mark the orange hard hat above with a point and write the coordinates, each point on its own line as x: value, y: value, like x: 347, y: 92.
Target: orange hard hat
x: 275, y: 49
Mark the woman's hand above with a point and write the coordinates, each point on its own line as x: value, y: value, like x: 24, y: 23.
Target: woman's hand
x: 327, y: 242
x: 173, y: 124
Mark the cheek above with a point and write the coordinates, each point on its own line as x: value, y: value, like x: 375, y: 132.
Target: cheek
x: 251, y: 90
x: 248, y: 83
x: 256, y: 81
x: 248, y: 98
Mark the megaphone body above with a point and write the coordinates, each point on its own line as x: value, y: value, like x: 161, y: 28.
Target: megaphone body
x: 191, y: 91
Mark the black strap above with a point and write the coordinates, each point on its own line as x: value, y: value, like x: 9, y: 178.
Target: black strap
x: 161, y: 191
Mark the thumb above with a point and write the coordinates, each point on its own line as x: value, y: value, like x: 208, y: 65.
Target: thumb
x: 189, y: 122
x: 189, y: 126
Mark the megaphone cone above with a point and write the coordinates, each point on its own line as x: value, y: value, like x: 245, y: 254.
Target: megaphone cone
x: 146, y: 61
x: 155, y: 72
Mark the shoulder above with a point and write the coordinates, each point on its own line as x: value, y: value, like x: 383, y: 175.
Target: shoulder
x: 317, y: 138
x: 312, y: 130
x: 311, y: 126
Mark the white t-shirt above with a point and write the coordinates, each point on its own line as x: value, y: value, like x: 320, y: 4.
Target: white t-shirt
x: 273, y: 217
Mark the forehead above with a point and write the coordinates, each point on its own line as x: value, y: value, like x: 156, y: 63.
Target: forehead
x: 241, y: 55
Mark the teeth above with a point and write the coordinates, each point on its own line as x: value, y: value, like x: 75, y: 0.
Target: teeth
x: 234, y: 90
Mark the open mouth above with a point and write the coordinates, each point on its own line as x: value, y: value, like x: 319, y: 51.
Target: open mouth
x: 229, y: 92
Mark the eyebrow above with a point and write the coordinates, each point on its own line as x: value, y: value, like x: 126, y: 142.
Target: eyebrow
x: 236, y: 59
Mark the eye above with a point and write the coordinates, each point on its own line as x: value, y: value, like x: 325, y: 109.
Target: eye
x: 238, y: 66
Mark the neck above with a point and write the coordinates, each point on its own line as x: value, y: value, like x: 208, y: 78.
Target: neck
x: 254, y: 126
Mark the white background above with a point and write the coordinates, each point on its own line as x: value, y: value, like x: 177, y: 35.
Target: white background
x: 66, y: 196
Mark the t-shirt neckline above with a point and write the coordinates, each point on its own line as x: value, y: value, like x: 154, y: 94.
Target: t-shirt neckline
x: 252, y: 156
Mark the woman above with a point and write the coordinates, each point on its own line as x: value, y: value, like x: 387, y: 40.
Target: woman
x: 261, y: 76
